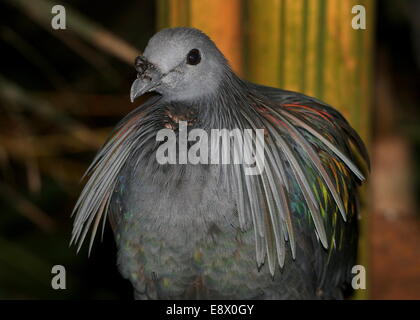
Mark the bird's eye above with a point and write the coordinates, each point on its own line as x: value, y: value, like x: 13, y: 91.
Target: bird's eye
x: 194, y: 57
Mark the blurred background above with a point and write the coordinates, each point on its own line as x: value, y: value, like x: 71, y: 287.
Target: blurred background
x: 62, y: 91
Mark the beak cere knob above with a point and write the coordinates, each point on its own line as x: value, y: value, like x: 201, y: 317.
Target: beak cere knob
x: 148, y: 77
x: 139, y: 64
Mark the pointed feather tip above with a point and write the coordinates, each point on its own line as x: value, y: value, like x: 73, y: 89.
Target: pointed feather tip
x: 72, y: 239
x: 79, y: 246
x: 323, y: 240
x: 281, y: 257
x: 293, y: 249
x: 343, y: 215
x: 73, y: 242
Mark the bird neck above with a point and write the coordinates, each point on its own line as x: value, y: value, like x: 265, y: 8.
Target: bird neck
x: 221, y: 109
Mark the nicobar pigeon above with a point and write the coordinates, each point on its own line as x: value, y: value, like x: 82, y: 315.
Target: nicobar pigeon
x: 210, y: 230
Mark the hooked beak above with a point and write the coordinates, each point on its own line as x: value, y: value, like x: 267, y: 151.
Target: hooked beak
x: 148, y: 78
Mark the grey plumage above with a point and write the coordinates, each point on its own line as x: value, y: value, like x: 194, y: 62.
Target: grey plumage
x: 211, y: 231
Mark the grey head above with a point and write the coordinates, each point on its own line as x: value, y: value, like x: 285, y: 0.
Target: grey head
x: 181, y: 64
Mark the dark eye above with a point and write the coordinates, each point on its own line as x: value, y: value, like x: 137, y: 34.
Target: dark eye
x: 194, y: 57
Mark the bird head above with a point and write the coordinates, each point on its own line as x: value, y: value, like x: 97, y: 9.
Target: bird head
x: 182, y: 64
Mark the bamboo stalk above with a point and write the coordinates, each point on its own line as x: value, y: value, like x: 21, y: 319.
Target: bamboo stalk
x: 264, y: 42
x: 294, y: 55
x: 221, y: 20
